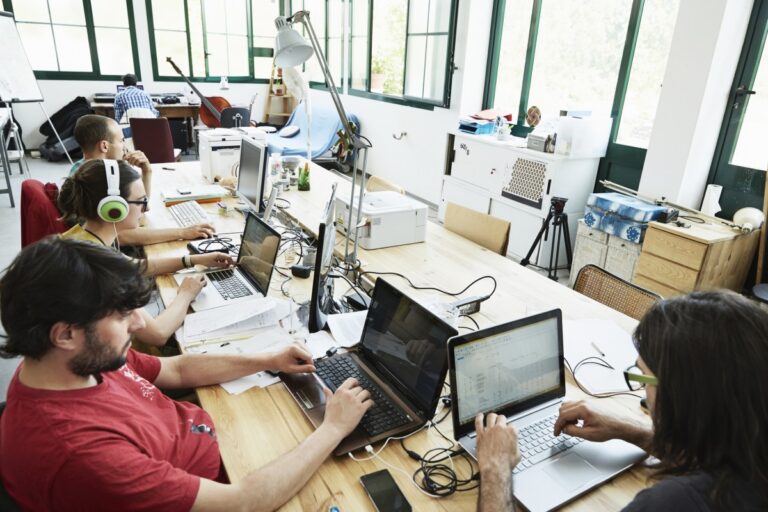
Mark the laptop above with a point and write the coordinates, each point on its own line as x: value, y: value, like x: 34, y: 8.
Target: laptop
x: 250, y: 279
x: 401, y: 359
x: 517, y: 369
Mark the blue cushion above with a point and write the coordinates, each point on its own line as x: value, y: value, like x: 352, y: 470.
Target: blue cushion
x: 325, y: 124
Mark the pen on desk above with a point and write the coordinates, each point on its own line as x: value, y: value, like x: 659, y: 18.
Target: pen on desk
x: 168, y: 168
x: 594, y: 346
x: 224, y: 344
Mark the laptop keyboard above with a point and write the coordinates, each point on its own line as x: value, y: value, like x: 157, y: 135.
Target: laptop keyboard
x: 537, y: 443
x: 228, y: 284
x: 188, y: 214
x: 384, y: 415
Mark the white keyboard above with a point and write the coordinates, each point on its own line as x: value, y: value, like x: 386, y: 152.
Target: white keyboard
x: 537, y: 443
x: 188, y: 214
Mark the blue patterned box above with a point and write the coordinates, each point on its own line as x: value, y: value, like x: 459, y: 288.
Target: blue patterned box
x: 621, y: 215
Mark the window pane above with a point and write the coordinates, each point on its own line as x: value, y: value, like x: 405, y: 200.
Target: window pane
x: 264, y: 13
x: 359, y: 17
x: 174, y: 45
x: 217, y: 55
x: 334, y: 59
x: 434, y: 76
x: 31, y: 10
x: 583, y: 77
x: 514, y: 43
x: 648, y: 66
x: 38, y: 43
x: 67, y: 11
x: 359, y: 62
x: 388, y: 44
x: 110, y: 13
x: 335, y: 18
x: 414, y: 72
x: 169, y: 14
x: 215, y: 16
x: 112, y: 45
x: 196, y: 37
x: 751, y: 150
x: 316, y: 10
x: 238, y: 56
x: 417, y: 17
x: 439, y: 15
x: 72, y: 48
x: 262, y: 67
x: 237, y: 21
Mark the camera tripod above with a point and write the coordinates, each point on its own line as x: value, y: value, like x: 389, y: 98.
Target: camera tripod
x: 559, y: 220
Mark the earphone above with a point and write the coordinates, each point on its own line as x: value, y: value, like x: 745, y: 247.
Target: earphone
x: 113, y: 208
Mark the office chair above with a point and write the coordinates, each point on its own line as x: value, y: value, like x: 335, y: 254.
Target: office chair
x: 40, y: 216
x: 481, y: 228
x: 153, y: 137
x: 614, y: 292
x: 376, y: 184
x: 235, y: 117
x: 6, y: 502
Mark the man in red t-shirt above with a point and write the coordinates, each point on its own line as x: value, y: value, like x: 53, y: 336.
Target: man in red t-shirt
x: 86, y: 428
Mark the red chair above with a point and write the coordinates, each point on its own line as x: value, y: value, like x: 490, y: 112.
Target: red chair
x: 153, y: 137
x: 40, y: 216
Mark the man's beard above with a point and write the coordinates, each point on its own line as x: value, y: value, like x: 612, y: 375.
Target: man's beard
x: 96, y: 357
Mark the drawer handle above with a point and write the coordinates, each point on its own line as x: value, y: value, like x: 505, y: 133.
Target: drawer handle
x: 464, y: 147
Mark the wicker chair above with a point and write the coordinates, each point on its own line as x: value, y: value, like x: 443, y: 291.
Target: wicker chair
x: 614, y: 292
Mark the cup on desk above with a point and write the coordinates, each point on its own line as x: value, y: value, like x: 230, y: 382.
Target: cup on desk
x: 310, y: 255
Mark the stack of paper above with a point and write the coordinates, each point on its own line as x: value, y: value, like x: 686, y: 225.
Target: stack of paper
x: 199, y: 193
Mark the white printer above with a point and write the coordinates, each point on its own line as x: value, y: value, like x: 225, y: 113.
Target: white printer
x: 220, y: 149
x: 388, y: 219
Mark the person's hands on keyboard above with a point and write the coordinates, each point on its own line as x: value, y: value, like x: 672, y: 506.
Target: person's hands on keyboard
x: 294, y: 358
x: 191, y: 286
x: 198, y: 231
x: 213, y: 259
x: 345, y: 407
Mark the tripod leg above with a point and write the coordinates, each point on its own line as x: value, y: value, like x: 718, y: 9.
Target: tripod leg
x: 555, y: 249
x: 525, y: 261
x: 567, y: 231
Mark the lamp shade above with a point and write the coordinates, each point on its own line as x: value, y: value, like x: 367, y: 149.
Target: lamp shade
x: 291, y: 49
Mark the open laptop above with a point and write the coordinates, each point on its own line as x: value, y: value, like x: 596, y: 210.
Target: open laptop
x: 255, y: 262
x: 517, y: 369
x: 401, y: 360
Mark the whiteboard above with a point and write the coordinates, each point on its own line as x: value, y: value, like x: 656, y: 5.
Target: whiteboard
x: 17, y: 80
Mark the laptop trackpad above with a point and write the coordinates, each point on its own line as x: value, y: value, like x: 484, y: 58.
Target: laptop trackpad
x: 571, y: 471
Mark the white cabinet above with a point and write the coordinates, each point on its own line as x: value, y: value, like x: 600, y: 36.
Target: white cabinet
x: 516, y: 184
x: 612, y: 253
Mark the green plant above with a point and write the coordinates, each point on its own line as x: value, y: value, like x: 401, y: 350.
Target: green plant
x: 377, y: 66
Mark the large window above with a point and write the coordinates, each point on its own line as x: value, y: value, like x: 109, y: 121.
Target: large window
x: 327, y: 17
x: 410, y: 44
x: 78, y: 39
x: 209, y: 39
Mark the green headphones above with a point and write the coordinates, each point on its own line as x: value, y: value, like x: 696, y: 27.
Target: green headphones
x: 113, y: 208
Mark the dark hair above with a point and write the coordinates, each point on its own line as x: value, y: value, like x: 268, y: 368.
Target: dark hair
x: 709, y: 351
x: 64, y: 280
x: 80, y: 194
x: 91, y: 129
x: 129, y: 79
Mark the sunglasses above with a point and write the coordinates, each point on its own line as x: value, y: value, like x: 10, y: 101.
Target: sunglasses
x: 143, y: 202
x: 637, y: 380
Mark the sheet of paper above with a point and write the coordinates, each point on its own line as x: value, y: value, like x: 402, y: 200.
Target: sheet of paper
x: 261, y: 380
x: 319, y: 343
x: 347, y: 328
x: 204, y: 322
x: 603, y: 340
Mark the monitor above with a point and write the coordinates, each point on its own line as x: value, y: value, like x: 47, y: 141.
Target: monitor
x: 251, y: 177
x: 408, y: 344
x: 321, y: 303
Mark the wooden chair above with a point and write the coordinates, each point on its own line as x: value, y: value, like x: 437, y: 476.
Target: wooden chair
x: 153, y: 137
x: 614, y: 292
x: 376, y: 184
x: 483, y: 229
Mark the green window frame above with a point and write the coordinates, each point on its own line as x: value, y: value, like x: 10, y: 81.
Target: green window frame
x: 254, y: 51
x: 404, y: 99
x: 95, y: 73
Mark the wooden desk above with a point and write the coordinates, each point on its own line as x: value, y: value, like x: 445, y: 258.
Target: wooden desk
x: 177, y: 111
x: 260, y: 425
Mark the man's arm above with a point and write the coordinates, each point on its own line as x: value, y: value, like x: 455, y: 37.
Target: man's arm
x: 159, y: 266
x: 195, y: 370
x: 149, y: 236
x: 270, y: 486
x: 140, y: 160
x: 497, y: 455
x: 157, y: 330
x: 592, y: 421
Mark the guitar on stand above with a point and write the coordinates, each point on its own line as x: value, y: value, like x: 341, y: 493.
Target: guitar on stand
x: 212, y: 106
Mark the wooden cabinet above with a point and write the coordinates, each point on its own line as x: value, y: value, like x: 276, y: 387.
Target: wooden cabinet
x: 613, y: 253
x: 677, y: 260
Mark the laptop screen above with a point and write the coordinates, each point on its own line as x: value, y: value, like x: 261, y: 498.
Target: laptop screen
x: 509, y: 366
x: 408, y: 344
x: 258, y: 252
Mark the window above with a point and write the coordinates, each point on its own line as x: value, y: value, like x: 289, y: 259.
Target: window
x: 209, y: 39
x: 328, y: 22
x: 410, y: 47
x: 77, y: 38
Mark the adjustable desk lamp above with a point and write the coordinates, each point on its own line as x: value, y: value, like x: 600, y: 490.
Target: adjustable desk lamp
x: 291, y: 49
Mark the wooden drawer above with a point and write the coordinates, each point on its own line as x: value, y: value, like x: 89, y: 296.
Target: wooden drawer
x: 675, y: 248
x: 650, y: 284
x: 670, y: 273
x: 616, y: 242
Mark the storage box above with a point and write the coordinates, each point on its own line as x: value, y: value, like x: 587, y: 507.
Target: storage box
x: 621, y: 215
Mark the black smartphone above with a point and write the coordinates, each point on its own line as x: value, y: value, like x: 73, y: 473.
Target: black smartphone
x: 384, y: 492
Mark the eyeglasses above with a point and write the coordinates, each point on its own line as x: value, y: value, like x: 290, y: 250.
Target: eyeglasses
x: 637, y: 380
x: 143, y: 202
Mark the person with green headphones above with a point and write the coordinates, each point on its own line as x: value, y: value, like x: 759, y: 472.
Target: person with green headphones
x: 110, y: 197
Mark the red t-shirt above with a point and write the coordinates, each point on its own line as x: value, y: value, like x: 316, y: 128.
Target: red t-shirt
x: 121, y: 444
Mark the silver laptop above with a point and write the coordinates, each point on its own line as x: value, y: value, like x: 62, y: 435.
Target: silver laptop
x: 517, y: 369
x: 255, y: 262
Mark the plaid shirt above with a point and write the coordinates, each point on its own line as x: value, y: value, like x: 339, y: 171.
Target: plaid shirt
x: 132, y: 97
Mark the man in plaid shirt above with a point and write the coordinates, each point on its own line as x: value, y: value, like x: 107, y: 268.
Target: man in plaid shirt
x: 132, y: 97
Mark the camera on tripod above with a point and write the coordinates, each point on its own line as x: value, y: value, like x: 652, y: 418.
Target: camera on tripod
x: 558, y: 221
x: 558, y: 203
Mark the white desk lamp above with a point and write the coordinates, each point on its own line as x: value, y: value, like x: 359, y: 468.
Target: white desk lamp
x: 291, y: 49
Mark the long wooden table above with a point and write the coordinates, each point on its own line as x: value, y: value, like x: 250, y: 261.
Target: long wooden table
x: 261, y: 424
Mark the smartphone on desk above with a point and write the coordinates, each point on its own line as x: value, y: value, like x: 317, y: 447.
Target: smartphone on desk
x: 384, y: 492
